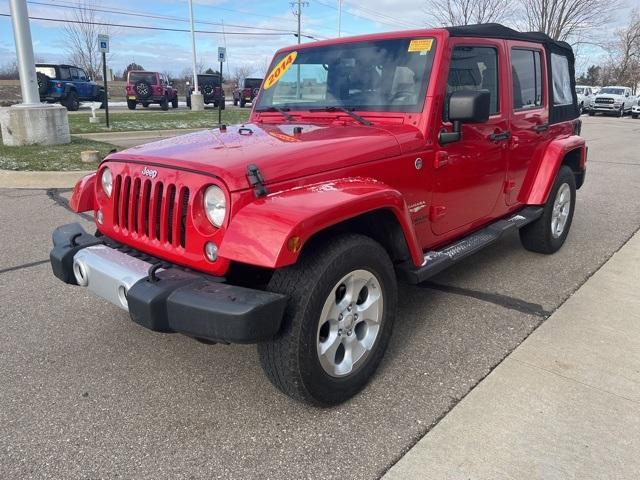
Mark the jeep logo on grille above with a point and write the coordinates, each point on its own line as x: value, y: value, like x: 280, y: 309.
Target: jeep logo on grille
x: 149, y: 173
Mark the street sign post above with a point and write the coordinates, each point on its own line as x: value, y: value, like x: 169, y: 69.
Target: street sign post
x: 222, y: 57
x: 103, y: 46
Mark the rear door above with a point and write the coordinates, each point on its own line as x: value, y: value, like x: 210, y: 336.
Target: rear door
x: 470, y: 173
x: 529, y: 114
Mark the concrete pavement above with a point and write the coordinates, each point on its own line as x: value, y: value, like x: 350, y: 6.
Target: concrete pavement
x: 565, y: 404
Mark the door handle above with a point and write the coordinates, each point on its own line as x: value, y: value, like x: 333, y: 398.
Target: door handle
x: 541, y: 127
x: 497, y: 136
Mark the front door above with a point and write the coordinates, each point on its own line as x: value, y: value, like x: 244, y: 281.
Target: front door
x: 470, y: 173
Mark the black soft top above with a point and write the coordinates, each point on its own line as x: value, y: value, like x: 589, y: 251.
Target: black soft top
x: 497, y: 30
x: 557, y: 113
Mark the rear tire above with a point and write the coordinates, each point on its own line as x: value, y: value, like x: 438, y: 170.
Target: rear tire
x: 44, y: 83
x: 242, y: 103
x: 102, y: 98
x: 164, y: 103
x: 72, y: 101
x: 235, y: 102
x: 592, y: 113
x: 634, y: 115
x: 174, y: 102
x: 342, y: 298
x: 131, y: 104
x: 548, y: 233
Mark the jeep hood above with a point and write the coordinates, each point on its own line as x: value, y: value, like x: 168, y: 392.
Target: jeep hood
x: 276, y: 150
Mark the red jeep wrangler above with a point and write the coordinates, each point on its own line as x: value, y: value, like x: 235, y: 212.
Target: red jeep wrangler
x: 150, y: 87
x: 393, y: 157
x: 246, y: 91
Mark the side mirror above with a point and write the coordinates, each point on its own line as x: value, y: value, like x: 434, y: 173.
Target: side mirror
x: 466, y: 106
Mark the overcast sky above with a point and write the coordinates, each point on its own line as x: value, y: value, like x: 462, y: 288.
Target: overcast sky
x: 171, y: 51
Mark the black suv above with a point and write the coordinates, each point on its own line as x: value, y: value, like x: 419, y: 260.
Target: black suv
x: 68, y: 85
x: 210, y: 85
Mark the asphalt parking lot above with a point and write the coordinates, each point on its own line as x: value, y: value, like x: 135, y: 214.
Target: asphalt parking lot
x: 86, y: 393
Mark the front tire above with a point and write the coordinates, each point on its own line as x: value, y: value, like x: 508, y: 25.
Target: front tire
x: 164, y: 103
x: 174, y: 102
x: 548, y: 233
x: 131, y: 104
x: 342, y: 301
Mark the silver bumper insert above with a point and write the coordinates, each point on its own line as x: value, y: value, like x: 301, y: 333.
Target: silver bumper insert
x: 108, y: 273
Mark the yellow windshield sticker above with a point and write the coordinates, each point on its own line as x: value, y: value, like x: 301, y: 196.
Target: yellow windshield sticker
x: 280, y: 69
x: 421, y: 45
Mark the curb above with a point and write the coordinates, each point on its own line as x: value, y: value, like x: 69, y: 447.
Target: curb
x: 39, y: 180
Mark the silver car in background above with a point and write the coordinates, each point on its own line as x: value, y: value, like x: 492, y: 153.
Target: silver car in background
x: 586, y: 95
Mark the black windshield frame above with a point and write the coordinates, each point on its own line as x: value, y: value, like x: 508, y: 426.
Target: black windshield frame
x: 391, y: 53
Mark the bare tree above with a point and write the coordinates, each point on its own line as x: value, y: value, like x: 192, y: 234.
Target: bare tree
x: 567, y: 20
x: 240, y: 72
x: 623, y: 65
x: 466, y: 12
x: 81, y: 35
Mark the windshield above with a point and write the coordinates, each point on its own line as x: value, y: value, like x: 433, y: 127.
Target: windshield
x: 612, y: 91
x: 580, y: 90
x: 149, y: 78
x: 252, y: 82
x: 384, y: 75
x: 203, y: 79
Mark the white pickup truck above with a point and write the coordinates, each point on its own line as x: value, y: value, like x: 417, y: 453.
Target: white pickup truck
x: 615, y: 99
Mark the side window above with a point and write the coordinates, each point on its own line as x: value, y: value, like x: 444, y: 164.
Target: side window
x: 562, y: 94
x: 526, y: 79
x: 65, y: 74
x: 474, y: 68
x: 74, y: 73
x: 82, y: 75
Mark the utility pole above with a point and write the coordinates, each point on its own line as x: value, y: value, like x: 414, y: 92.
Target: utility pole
x: 197, y: 101
x: 299, y: 4
x: 339, y: 16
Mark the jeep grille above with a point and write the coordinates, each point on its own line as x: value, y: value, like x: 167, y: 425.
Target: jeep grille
x: 151, y: 209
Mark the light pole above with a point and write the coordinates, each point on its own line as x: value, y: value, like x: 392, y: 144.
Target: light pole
x: 31, y: 122
x: 339, y: 16
x: 197, y: 101
x: 24, y: 52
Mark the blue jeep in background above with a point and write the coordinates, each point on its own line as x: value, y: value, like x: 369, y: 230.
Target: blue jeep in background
x: 68, y: 85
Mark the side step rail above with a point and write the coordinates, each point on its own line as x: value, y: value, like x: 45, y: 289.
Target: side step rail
x: 437, y: 260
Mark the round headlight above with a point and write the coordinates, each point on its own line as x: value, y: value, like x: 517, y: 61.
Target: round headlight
x: 107, y: 182
x: 215, y: 205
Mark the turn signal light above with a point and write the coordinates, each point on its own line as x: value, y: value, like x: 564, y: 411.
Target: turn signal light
x: 294, y: 244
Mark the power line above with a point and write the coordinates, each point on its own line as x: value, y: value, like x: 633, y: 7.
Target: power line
x: 164, y: 29
x: 148, y: 15
x: 396, y: 22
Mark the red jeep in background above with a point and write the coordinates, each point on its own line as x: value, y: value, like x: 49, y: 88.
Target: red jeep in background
x: 150, y: 87
x: 394, y: 156
x: 246, y: 91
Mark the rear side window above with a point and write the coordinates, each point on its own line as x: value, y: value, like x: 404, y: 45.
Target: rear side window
x: 65, y: 74
x: 475, y: 68
x: 562, y: 94
x: 526, y: 78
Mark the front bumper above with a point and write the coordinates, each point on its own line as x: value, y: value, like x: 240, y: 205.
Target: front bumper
x: 162, y: 297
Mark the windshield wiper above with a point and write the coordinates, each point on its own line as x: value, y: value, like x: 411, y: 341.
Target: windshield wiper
x: 281, y: 110
x: 349, y: 112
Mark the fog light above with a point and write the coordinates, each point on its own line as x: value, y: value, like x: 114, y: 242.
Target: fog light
x: 99, y: 217
x: 211, y: 251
